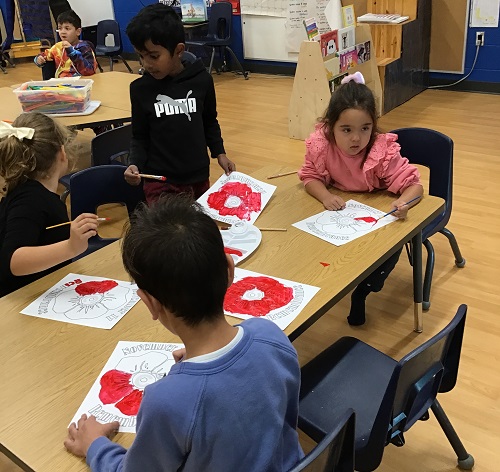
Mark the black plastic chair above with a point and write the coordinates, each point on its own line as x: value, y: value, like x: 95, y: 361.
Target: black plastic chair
x: 219, y: 35
x: 387, y: 396
x: 434, y: 150
x: 105, y: 149
x: 97, y: 186
x: 335, y: 452
x: 105, y: 28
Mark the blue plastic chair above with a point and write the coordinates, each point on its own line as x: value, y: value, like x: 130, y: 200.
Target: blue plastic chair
x: 434, y: 150
x: 387, y: 396
x: 105, y: 28
x: 219, y: 35
x: 97, y: 186
x: 335, y: 452
x: 105, y: 149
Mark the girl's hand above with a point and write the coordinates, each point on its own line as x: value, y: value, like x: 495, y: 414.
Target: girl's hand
x: 88, y: 430
x: 226, y: 164
x: 132, y: 175
x: 402, y: 209
x: 82, y: 229
x: 333, y: 202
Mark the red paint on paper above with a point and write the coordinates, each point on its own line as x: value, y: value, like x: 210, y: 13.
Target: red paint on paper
x: 230, y: 250
x: 275, y: 295
x: 249, y: 200
x: 96, y: 286
x: 130, y: 404
x: 367, y: 219
x: 324, y: 264
x: 115, y: 385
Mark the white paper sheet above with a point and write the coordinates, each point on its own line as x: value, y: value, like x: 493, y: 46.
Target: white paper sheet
x: 343, y: 226
x: 134, y: 365
x: 85, y: 300
x: 257, y: 295
x: 237, y: 197
x: 484, y: 13
x: 241, y: 240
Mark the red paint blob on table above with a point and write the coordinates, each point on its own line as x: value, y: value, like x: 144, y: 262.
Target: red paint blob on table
x: 250, y: 200
x: 367, y: 219
x: 97, y: 286
x: 276, y: 295
x: 325, y: 264
x: 230, y: 250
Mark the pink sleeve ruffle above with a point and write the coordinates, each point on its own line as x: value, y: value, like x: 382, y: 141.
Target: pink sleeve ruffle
x: 394, y: 170
x: 314, y: 167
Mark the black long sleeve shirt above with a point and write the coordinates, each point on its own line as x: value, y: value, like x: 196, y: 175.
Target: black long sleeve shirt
x: 24, y: 214
x: 173, y: 121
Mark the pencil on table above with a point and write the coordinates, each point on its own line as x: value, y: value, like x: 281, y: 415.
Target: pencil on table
x: 282, y: 174
x: 69, y: 222
x: 154, y: 177
x: 262, y: 229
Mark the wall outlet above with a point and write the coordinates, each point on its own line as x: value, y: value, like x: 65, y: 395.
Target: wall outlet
x: 479, y: 38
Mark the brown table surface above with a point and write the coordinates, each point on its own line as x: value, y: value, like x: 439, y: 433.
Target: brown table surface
x: 48, y: 366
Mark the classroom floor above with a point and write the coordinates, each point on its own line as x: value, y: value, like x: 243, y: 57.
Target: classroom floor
x: 254, y: 119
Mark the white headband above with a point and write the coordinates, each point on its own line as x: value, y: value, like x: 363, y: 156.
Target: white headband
x: 7, y: 130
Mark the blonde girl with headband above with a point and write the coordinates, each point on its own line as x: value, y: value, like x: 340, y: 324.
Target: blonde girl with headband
x: 346, y: 151
x: 32, y: 159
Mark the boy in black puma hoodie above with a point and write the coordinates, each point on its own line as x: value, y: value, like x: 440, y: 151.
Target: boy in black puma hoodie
x: 174, y: 111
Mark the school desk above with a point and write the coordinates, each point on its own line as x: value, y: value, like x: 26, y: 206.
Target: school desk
x: 110, y: 88
x: 48, y: 366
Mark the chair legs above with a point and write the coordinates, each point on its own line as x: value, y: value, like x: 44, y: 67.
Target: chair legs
x: 99, y: 66
x: 111, y: 63
x: 459, y: 260
x: 4, y: 70
x: 238, y: 63
x: 465, y: 460
x: 429, y: 270
x: 126, y: 64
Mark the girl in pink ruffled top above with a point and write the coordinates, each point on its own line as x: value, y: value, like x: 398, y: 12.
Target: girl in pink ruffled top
x: 347, y: 152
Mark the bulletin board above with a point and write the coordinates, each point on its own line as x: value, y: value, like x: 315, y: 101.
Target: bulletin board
x: 449, y: 25
x: 93, y: 11
x: 264, y: 38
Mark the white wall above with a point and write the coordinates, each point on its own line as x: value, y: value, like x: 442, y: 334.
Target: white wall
x: 93, y: 11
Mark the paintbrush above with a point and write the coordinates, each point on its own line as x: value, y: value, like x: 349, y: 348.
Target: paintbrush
x: 395, y: 209
x: 154, y: 177
x: 69, y: 222
x: 275, y: 176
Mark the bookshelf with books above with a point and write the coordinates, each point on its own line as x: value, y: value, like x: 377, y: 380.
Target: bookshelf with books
x: 316, y: 74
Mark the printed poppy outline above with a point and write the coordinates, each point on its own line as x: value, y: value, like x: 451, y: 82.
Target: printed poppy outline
x: 235, y: 199
x: 257, y: 296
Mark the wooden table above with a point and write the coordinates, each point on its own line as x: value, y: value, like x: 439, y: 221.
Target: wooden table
x: 110, y: 88
x: 48, y: 367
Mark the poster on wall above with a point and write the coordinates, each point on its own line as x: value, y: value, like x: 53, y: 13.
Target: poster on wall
x: 484, y: 13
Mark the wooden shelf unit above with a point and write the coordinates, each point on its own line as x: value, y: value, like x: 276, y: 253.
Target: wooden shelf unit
x: 311, y: 91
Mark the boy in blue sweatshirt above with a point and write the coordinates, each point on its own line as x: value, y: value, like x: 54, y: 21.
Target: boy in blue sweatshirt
x: 231, y: 401
x: 174, y: 110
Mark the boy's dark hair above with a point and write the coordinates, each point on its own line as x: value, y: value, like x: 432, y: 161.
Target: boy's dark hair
x: 350, y: 95
x: 159, y: 23
x: 174, y: 251
x: 69, y: 16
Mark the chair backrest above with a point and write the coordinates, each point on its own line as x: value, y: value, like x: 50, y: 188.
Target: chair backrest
x: 110, y: 145
x: 188, y: 57
x: 220, y: 21
x: 105, y: 27
x: 335, y: 452
x: 420, y: 373
x: 99, y: 185
x: 434, y: 150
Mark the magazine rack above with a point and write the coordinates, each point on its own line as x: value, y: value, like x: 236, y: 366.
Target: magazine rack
x: 311, y: 91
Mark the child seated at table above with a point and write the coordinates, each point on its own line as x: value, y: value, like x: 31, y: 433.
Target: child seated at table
x: 71, y: 56
x: 231, y: 400
x: 32, y: 160
x: 174, y: 110
x: 346, y: 151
